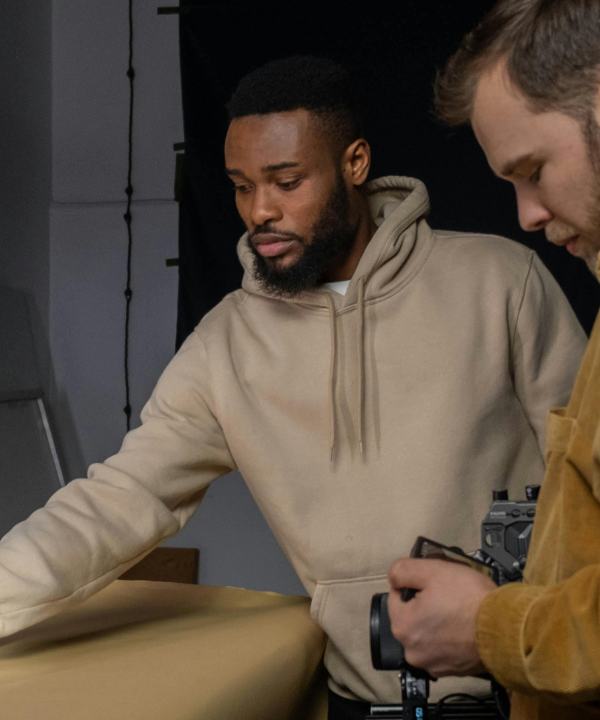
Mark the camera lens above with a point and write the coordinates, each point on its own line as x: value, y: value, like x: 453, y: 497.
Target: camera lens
x: 386, y: 652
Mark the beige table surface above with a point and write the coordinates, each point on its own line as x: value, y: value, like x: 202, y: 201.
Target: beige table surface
x: 165, y: 651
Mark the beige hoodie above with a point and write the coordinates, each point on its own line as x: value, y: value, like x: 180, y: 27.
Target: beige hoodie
x: 357, y: 421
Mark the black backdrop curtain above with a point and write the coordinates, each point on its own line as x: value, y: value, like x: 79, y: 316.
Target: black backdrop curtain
x: 392, y: 51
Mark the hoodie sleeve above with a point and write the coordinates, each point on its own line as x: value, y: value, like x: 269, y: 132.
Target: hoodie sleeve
x: 547, y: 346
x: 94, y: 529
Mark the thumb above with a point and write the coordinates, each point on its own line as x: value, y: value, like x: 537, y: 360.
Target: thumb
x: 413, y: 573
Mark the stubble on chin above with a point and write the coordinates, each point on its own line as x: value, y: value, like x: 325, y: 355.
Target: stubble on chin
x: 592, y: 260
x: 590, y: 246
x: 590, y: 242
x: 590, y: 254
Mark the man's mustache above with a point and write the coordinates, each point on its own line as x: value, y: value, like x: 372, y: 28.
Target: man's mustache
x: 270, y: 230
x: 556, y: 232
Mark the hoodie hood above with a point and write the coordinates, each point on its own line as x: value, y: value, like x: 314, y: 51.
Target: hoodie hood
x: 399, y: 206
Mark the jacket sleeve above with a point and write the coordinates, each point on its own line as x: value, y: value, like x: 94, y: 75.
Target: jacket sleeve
x: 92, y: 530
x: 547, y: 346
x: 545, y: 640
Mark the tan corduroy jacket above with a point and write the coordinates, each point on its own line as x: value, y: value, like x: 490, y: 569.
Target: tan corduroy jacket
x: 541, y: 638
x: 357, y: 421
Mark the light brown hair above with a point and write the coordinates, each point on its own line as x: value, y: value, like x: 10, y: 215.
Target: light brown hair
x: 552, y: 53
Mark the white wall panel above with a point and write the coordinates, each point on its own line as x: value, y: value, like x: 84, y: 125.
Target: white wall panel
x: 91, y: 96
x: 87, y: 306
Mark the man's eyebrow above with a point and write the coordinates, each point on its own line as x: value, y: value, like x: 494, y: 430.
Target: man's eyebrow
x: 279, y: 166
x: 234, y: 172
x: 512, y: 165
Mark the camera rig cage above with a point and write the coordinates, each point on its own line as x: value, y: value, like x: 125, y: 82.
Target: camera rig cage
x: 505, y: 538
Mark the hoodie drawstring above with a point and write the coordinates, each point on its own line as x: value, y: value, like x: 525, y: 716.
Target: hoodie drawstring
x: 360, y: 310
x: 331, y: 307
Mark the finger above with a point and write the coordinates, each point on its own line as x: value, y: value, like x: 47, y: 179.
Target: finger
x: 396, y: 608
x: 400, y: 615
x: 413, y: 573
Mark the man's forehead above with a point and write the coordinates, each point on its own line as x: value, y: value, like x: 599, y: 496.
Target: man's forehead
x: 501, y: 120
x: 271, y: 140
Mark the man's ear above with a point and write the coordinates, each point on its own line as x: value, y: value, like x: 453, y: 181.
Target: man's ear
x: 356, y: 162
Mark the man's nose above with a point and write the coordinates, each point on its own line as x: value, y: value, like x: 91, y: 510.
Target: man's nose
x: 264, y: 208
x: 533, y: 214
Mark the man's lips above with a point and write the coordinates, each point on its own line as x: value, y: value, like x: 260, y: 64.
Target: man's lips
x: 570, y: 243
x: 272, y: 245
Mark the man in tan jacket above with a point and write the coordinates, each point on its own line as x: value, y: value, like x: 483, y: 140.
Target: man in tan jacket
x: 373, y: 378
x: 528, y: 81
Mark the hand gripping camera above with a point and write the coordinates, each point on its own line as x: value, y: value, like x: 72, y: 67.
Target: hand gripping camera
x: 505, y: 537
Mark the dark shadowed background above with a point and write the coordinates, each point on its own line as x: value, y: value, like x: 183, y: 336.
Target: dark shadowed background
x: 392, y: 52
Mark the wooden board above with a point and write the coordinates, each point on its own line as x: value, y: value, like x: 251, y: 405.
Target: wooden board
x: 167, y: 564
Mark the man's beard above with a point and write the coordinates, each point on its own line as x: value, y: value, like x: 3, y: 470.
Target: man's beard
x: 333, y: 237
x: 590, y: 239
x: 593, y: 239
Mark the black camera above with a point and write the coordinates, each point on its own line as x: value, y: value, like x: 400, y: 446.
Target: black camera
x: 505, y: 537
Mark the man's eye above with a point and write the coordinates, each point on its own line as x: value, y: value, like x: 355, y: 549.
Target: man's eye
x: 535, y: 176
x: 290, y: 185
x: 241, y: 188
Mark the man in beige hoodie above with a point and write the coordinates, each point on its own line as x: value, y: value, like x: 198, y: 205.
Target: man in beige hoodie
x: 372, y: 379
x: 528, y: 81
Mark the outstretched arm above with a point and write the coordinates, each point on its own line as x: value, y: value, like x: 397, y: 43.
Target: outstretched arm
x: 93, y: 529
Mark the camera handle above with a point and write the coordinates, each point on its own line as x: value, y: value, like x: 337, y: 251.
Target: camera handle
x: 469, y: 709
x: 415, y: 691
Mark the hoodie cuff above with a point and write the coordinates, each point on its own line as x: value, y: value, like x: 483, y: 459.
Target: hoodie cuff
x: 499, y: 632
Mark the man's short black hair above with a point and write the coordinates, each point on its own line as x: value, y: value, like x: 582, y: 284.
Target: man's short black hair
x: 321, y: 86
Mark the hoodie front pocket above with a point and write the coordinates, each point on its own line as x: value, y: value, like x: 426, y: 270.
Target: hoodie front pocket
x: 342, y: 608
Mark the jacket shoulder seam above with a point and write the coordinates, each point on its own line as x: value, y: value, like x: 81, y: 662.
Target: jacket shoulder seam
x: 522, y: 299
